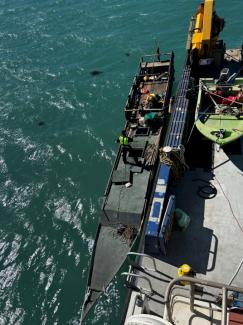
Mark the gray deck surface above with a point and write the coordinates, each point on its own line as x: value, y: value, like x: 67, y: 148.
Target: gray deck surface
x: 213, y: 242
x: 119, y: 206
x: 114, y: 246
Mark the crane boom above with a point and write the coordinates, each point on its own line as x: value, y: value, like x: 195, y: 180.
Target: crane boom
x: 207, y: 20
x: 207, y: 28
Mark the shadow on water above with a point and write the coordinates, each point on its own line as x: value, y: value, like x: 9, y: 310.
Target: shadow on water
x: 95, y: 72
x: 41, y: 123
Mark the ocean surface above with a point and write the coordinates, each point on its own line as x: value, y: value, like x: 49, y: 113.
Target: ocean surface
x: 65, y: 71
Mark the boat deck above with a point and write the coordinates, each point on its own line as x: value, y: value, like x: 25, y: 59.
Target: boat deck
x: 212, y: 243
x: 118, y: 205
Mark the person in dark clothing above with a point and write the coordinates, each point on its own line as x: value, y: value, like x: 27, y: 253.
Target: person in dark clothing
x: 124, y: 141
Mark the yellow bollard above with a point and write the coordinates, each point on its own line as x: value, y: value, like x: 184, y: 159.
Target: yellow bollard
x: 185, y: 270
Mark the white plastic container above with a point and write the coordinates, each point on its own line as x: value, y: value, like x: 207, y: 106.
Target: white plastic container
x: 145, y: 319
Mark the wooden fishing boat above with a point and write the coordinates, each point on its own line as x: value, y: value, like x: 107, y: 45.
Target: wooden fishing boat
x: 129, y: 187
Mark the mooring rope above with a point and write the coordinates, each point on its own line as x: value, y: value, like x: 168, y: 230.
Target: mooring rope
x: 205, y: 88
x: 175, y: 160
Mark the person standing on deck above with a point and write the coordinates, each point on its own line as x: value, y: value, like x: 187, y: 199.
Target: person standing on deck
x: 124, y: 141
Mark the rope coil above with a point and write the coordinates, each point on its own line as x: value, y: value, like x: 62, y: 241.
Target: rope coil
x: 176, y: 160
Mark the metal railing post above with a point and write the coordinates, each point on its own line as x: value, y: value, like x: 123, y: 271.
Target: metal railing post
x: 149, y: 291
x: 192, y: 292
x: 224, y: 306
x: 167, y: 299
x: 145, y: 256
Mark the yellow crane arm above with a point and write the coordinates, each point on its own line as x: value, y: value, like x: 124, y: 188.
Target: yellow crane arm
x: 207, y: 20
x: 203, y: 27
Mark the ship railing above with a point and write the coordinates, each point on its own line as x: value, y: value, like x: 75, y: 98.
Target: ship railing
x: 156, y: 55
x: 130, y: 277
x: 192, y: 282
x: 154, y: 269
x: 152, y: 74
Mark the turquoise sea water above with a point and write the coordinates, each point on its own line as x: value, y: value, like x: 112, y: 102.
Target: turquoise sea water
x: 58, y: 123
